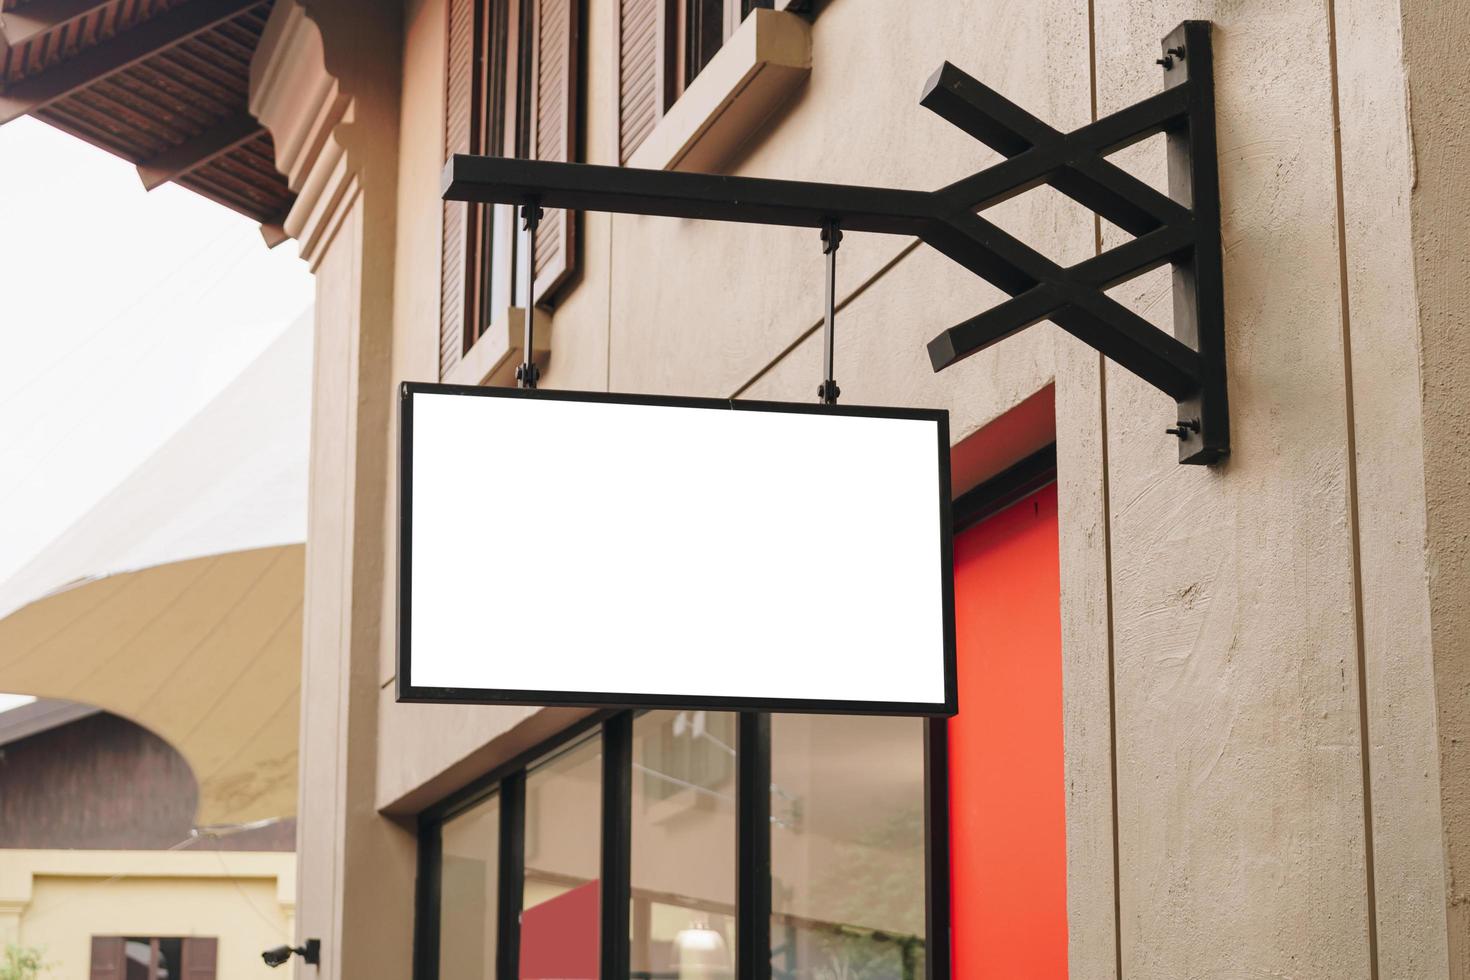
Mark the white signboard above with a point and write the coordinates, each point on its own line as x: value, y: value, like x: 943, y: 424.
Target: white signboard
x: 572, y: 548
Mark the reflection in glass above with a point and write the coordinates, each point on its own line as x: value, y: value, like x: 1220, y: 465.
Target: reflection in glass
x: 152, y: 959
x: 559, y: 913
x: 683, y: 859
x: 170, y: 956
x: 468, y: 879
x: 139, y: 953
x: 847, y: 848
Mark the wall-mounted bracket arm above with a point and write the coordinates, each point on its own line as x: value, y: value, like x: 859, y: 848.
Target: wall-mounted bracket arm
x: 1181, y: 228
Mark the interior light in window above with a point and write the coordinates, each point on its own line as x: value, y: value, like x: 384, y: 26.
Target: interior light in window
x: 703, y: 954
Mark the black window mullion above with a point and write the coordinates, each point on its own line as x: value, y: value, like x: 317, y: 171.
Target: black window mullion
x: 615, y: 890
x: 753, y: 848
x: 936, y: 849
x: 426, y: 899
x: 512, y: 876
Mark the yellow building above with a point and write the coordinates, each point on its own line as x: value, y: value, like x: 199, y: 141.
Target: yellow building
x: 102, y: 869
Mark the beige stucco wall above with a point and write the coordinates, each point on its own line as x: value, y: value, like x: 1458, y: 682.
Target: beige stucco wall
x: 1265, y: 679
x: 56, y: 901
x: 1240, y: 769
x: 1438, y: 95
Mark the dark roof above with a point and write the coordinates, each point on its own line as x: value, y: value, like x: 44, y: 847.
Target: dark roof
x: 39, y: 716
x: 101, y: 781
x: 163, y: 84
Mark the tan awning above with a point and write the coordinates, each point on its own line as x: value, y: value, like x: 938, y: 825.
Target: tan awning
x: 205, y: 653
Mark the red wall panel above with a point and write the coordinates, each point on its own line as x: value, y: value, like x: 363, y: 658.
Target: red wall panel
x: 1006, y: 783
x: 559, y: 938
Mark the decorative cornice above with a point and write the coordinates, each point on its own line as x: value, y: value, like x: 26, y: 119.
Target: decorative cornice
x: 302, y: 104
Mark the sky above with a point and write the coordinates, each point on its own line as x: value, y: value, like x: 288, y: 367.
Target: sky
x: 122, y: 313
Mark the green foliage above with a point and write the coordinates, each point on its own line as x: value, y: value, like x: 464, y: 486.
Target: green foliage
x: 22, y: 963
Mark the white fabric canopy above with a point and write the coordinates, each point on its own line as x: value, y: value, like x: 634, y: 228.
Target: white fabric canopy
x: 232, y: 478
x: 176, y: 600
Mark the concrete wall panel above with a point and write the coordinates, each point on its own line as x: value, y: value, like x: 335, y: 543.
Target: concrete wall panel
x: 1377, y: 176
x: 1240, y: 780
x: 325, y: 650
x: 1435, y: 39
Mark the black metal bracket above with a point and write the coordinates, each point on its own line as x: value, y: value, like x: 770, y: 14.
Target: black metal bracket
x: 827, y: 391
x: 1181, y: 228
x: 527, y: 373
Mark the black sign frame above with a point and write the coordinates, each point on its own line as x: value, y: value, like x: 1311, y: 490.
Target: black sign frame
x: 420, y: 694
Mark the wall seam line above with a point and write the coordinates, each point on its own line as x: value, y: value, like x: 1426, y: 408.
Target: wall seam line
x: 1354, y: 532
x: 1107, y: 503
x: 1107, y: 522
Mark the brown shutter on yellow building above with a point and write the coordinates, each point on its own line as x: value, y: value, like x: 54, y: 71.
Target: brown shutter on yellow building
x: 640, y: 80
x: 200, y: 956
x: 554, y: 129
x: 109, y: 958
x: 459, y: 108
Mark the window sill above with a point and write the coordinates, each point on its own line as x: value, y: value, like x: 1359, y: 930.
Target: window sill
x: 757, y: 69
x: 494, y: 357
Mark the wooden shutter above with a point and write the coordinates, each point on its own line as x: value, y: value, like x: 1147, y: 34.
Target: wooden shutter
x: 640, y: 78
x: 109, y: 958
x: 553, y: 131
x: 459, y: 126
x: 200, y: 956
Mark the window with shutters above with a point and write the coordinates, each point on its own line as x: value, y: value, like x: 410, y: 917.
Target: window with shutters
x: 153, y: 958
x: 663, y: 46
x: 511, y: 89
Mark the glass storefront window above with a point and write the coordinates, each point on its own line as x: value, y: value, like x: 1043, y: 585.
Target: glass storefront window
x: 469, y: 876
x: 847, y: 847
x: 682, y: 918
x: 559, y: 912
x: 847, y: 853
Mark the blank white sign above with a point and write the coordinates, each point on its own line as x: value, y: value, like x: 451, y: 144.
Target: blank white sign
x: 565, y: 548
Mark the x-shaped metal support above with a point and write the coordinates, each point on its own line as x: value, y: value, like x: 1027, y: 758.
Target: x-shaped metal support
x: 1182, y: 227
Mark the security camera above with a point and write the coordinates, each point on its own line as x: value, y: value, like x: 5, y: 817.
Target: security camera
x: 277, y: 955
x: 311, y: 952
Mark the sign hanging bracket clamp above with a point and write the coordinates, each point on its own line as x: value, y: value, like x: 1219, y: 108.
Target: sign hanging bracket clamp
x: 828, y: 392
x: 1180, y: 228
x: 527, y: 373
